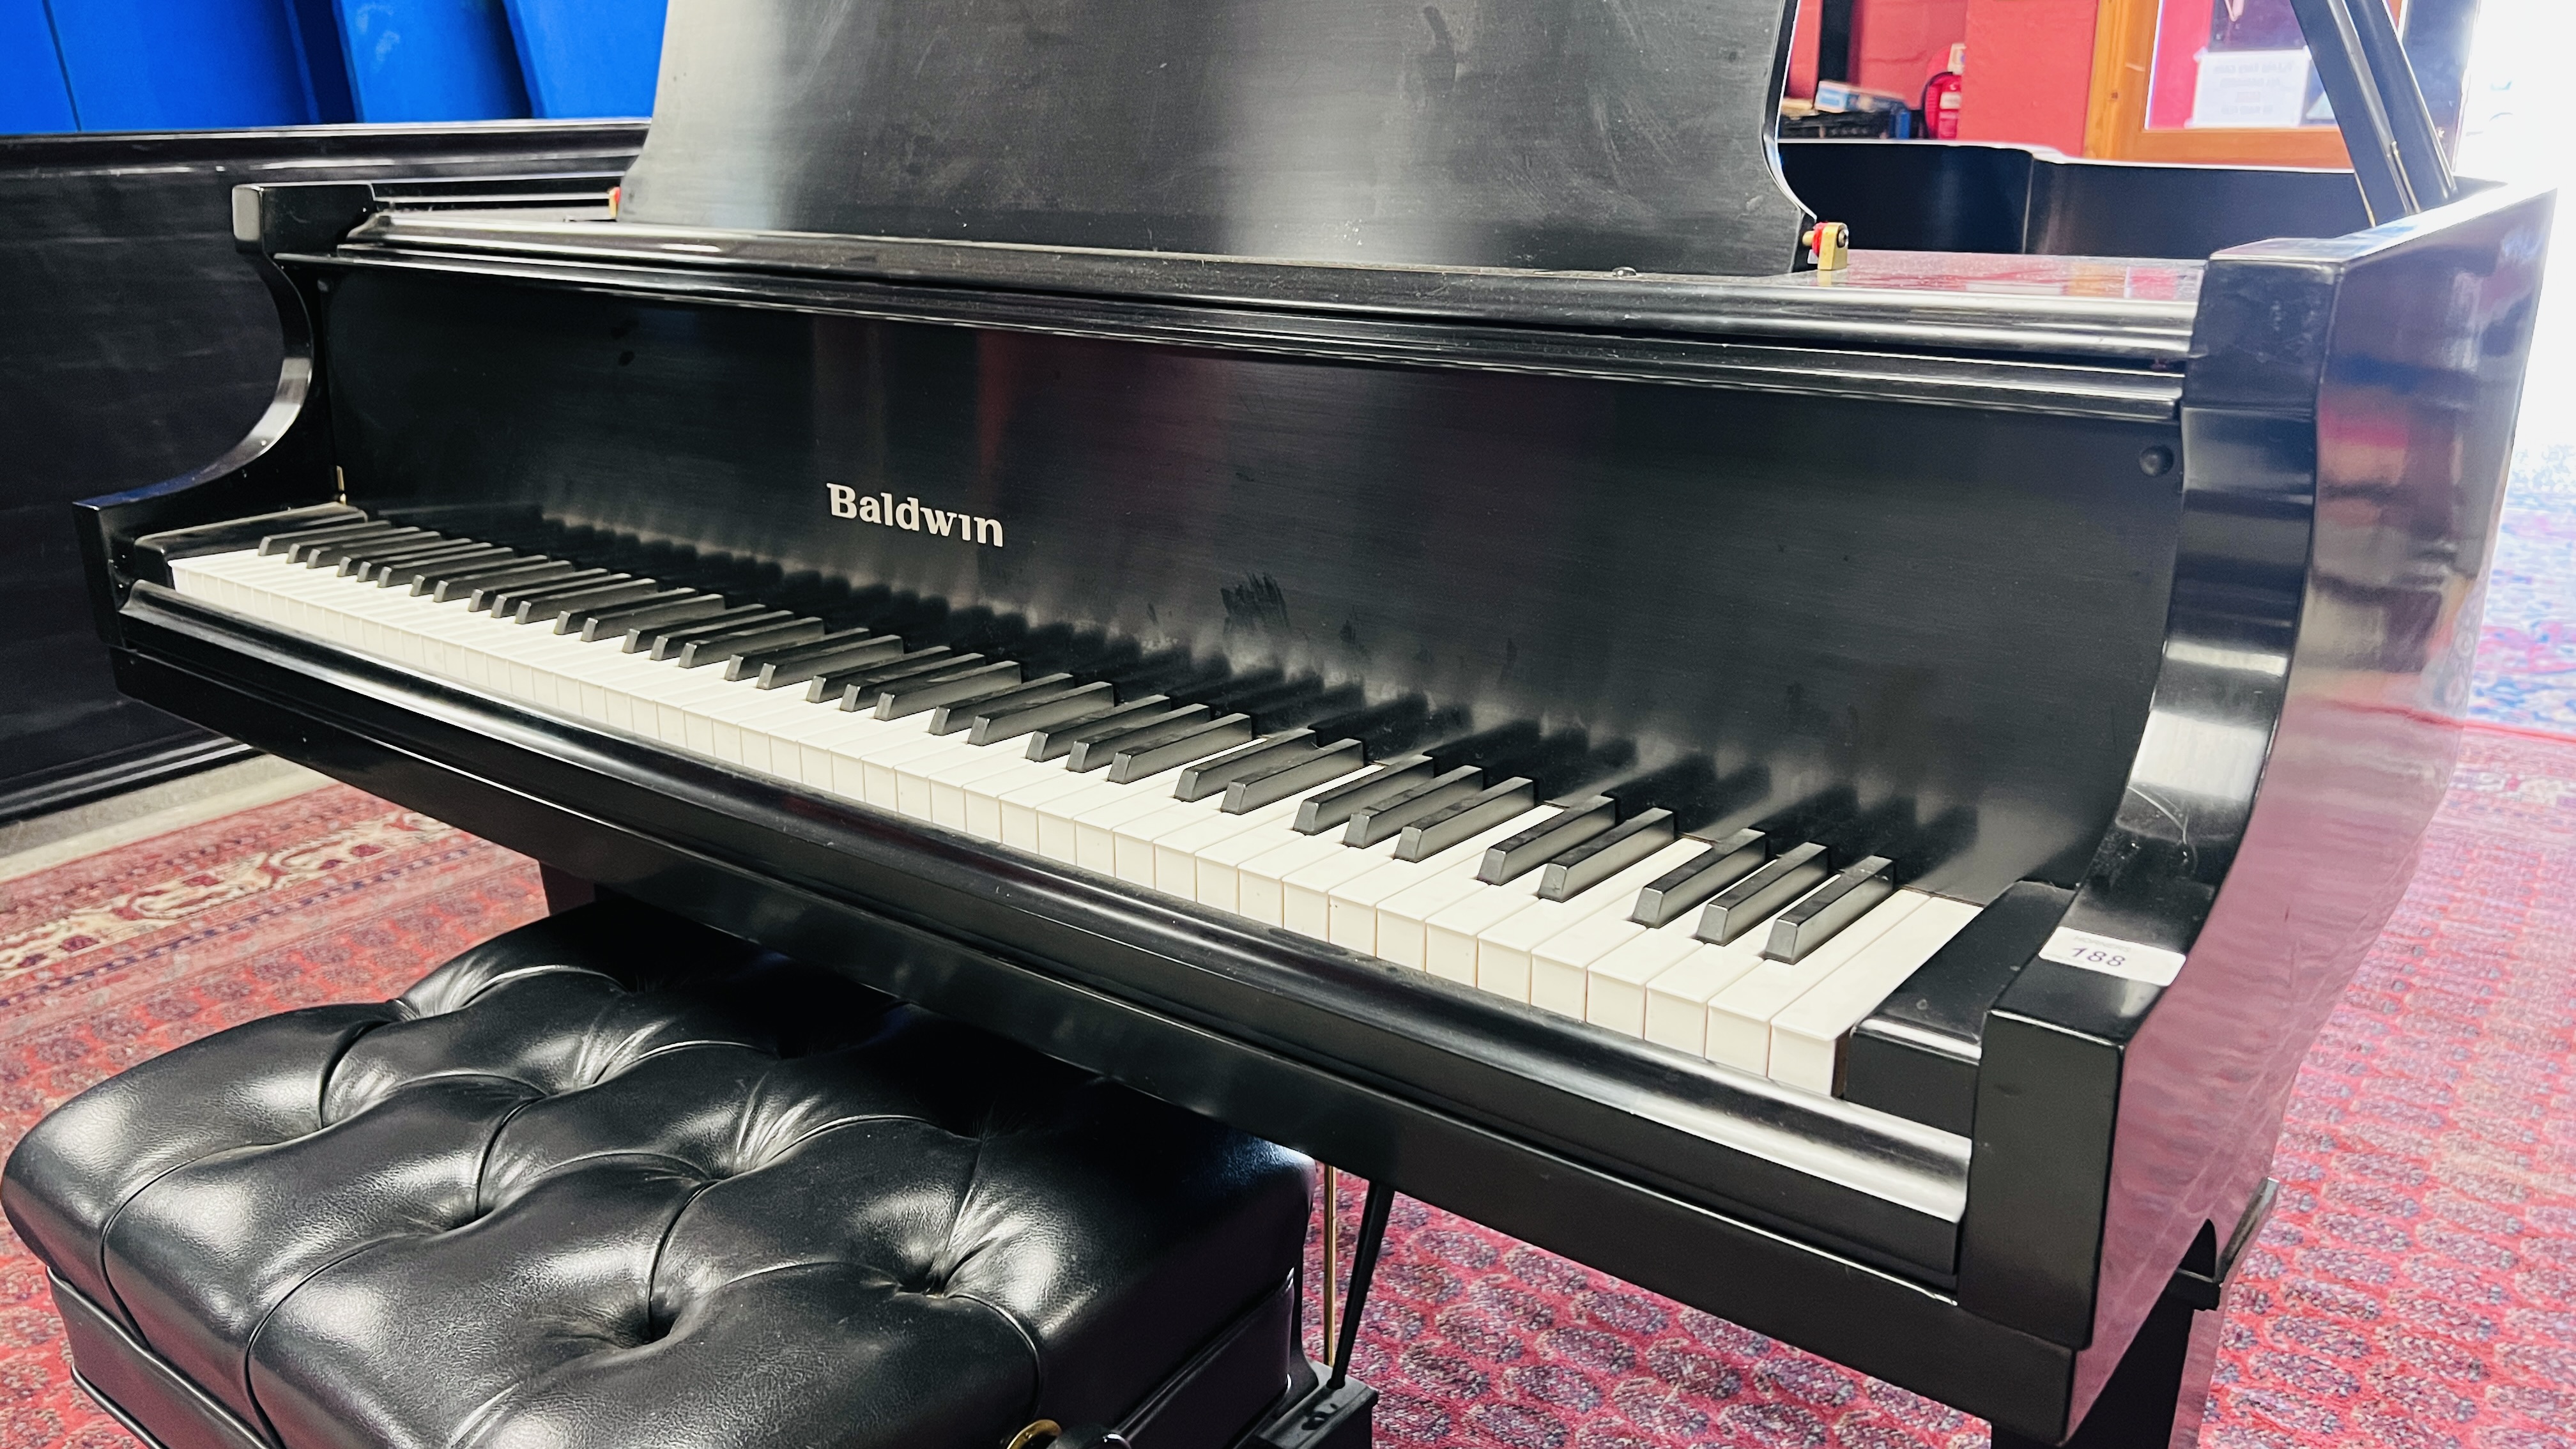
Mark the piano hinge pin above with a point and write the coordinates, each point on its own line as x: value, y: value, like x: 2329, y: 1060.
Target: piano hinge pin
x: 1828, y: 245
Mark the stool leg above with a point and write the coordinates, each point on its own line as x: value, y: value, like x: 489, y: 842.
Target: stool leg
x: 564, y: 890
x: 1381, y: 1200
x: 2156, y: 1396
x: 1332, y: 1248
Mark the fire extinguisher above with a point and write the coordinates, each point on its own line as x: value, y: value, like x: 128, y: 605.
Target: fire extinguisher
x: 1941, y: 96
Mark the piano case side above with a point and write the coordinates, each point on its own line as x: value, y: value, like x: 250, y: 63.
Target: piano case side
x: 2348, y: 420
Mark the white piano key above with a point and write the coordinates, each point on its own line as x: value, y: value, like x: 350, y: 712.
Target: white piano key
x: 1614, y: 984
x: 1096, y: 829
x: 1351, y: 912
x: 1061, y: 817
x: 950, y: 785
x: 1260, y: 892
x: 1306, y: 893
x: 984, y: 794
x: 1220, y: 868
x: 1021, y: 820
x: 1808, y: 1036
x: 917, y: 766
x: 1739, y: 1018
x: 1677, y: 999
x: 1404, y: 921
x: 1505, y: 952
x: 884, y: 767
x: 1178, y: 852
x: 1132, y: 842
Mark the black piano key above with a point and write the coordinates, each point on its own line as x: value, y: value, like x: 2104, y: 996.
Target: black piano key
x: 1209, y: 777
x: 332, y: 555
x: 1751, y: 901
x: 834, y: 685
x: 1146, y: 759
x: 906, y: 698
x: 578, y: 617
x: 796, y: 663
x: 855, y: 688
x: 357, y: 564
x: 949, y: 719
x: 724, y: 644
x: 348, y: 554
x: 410, y: 571
x: 478, y: 592
x: 553, y: 608
x: 665, y: 641
x: 1917, y: 1055
x: 1509, y: 860
x: 503, y: 603
x: 272, y: 544
x: 1830, y: 907
x: 460, y: 585
x: 1388, y: 817
x: 1605, y: 855
x: 1678, y: 891
x: 1334, y: 807
x: 1292, y: 777
x: 1059, y: 740
x: 301, y: 549
x: 1054, y: 711
x: 859, y: 692
x: 1466, y: 819
x: 1096, y: 750
x: 691, y: 607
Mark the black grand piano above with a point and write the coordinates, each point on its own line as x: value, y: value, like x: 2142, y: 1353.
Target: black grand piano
x: 1369, y: 571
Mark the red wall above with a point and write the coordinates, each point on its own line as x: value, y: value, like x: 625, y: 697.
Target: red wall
x: 1802, y: 50
x: 2033, y: 57
x: 1897, y: 45
x: 2030, y: 72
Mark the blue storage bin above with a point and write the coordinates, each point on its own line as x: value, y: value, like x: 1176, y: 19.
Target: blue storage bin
x: 589, y: 57
x: 164, y: 65
x: 32, y: 93
x: 431, y: 60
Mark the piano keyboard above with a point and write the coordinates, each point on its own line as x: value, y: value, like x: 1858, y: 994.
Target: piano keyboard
x: 1751, y: 953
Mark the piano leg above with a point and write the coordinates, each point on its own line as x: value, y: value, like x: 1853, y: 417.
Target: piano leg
x: 2155, y: 1397
x: 564, y: 890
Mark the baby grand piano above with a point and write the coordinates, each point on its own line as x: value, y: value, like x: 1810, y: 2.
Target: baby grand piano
x: 1337, y: 564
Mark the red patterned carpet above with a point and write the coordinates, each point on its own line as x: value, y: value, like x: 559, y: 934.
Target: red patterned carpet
x: 2417, y: 1287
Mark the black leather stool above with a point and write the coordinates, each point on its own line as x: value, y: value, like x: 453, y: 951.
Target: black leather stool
x: 615, y: 1180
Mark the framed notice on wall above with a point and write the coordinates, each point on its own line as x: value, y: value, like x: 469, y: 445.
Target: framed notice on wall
x: 2216, y: 81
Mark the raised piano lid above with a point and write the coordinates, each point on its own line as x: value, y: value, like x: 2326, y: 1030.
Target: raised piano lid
x: 1507, y: 133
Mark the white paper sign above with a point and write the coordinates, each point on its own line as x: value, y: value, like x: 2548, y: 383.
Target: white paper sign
x: 2112, y: 957
x: 2250, y: 88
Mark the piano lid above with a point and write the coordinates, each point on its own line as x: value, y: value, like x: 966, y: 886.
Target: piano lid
x: 1549, y: 134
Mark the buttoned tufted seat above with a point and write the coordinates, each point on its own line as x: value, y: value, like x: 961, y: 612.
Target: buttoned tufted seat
x: 615, y: 1180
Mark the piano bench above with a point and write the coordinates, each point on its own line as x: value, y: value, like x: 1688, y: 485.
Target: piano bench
x: 612, y: 1179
